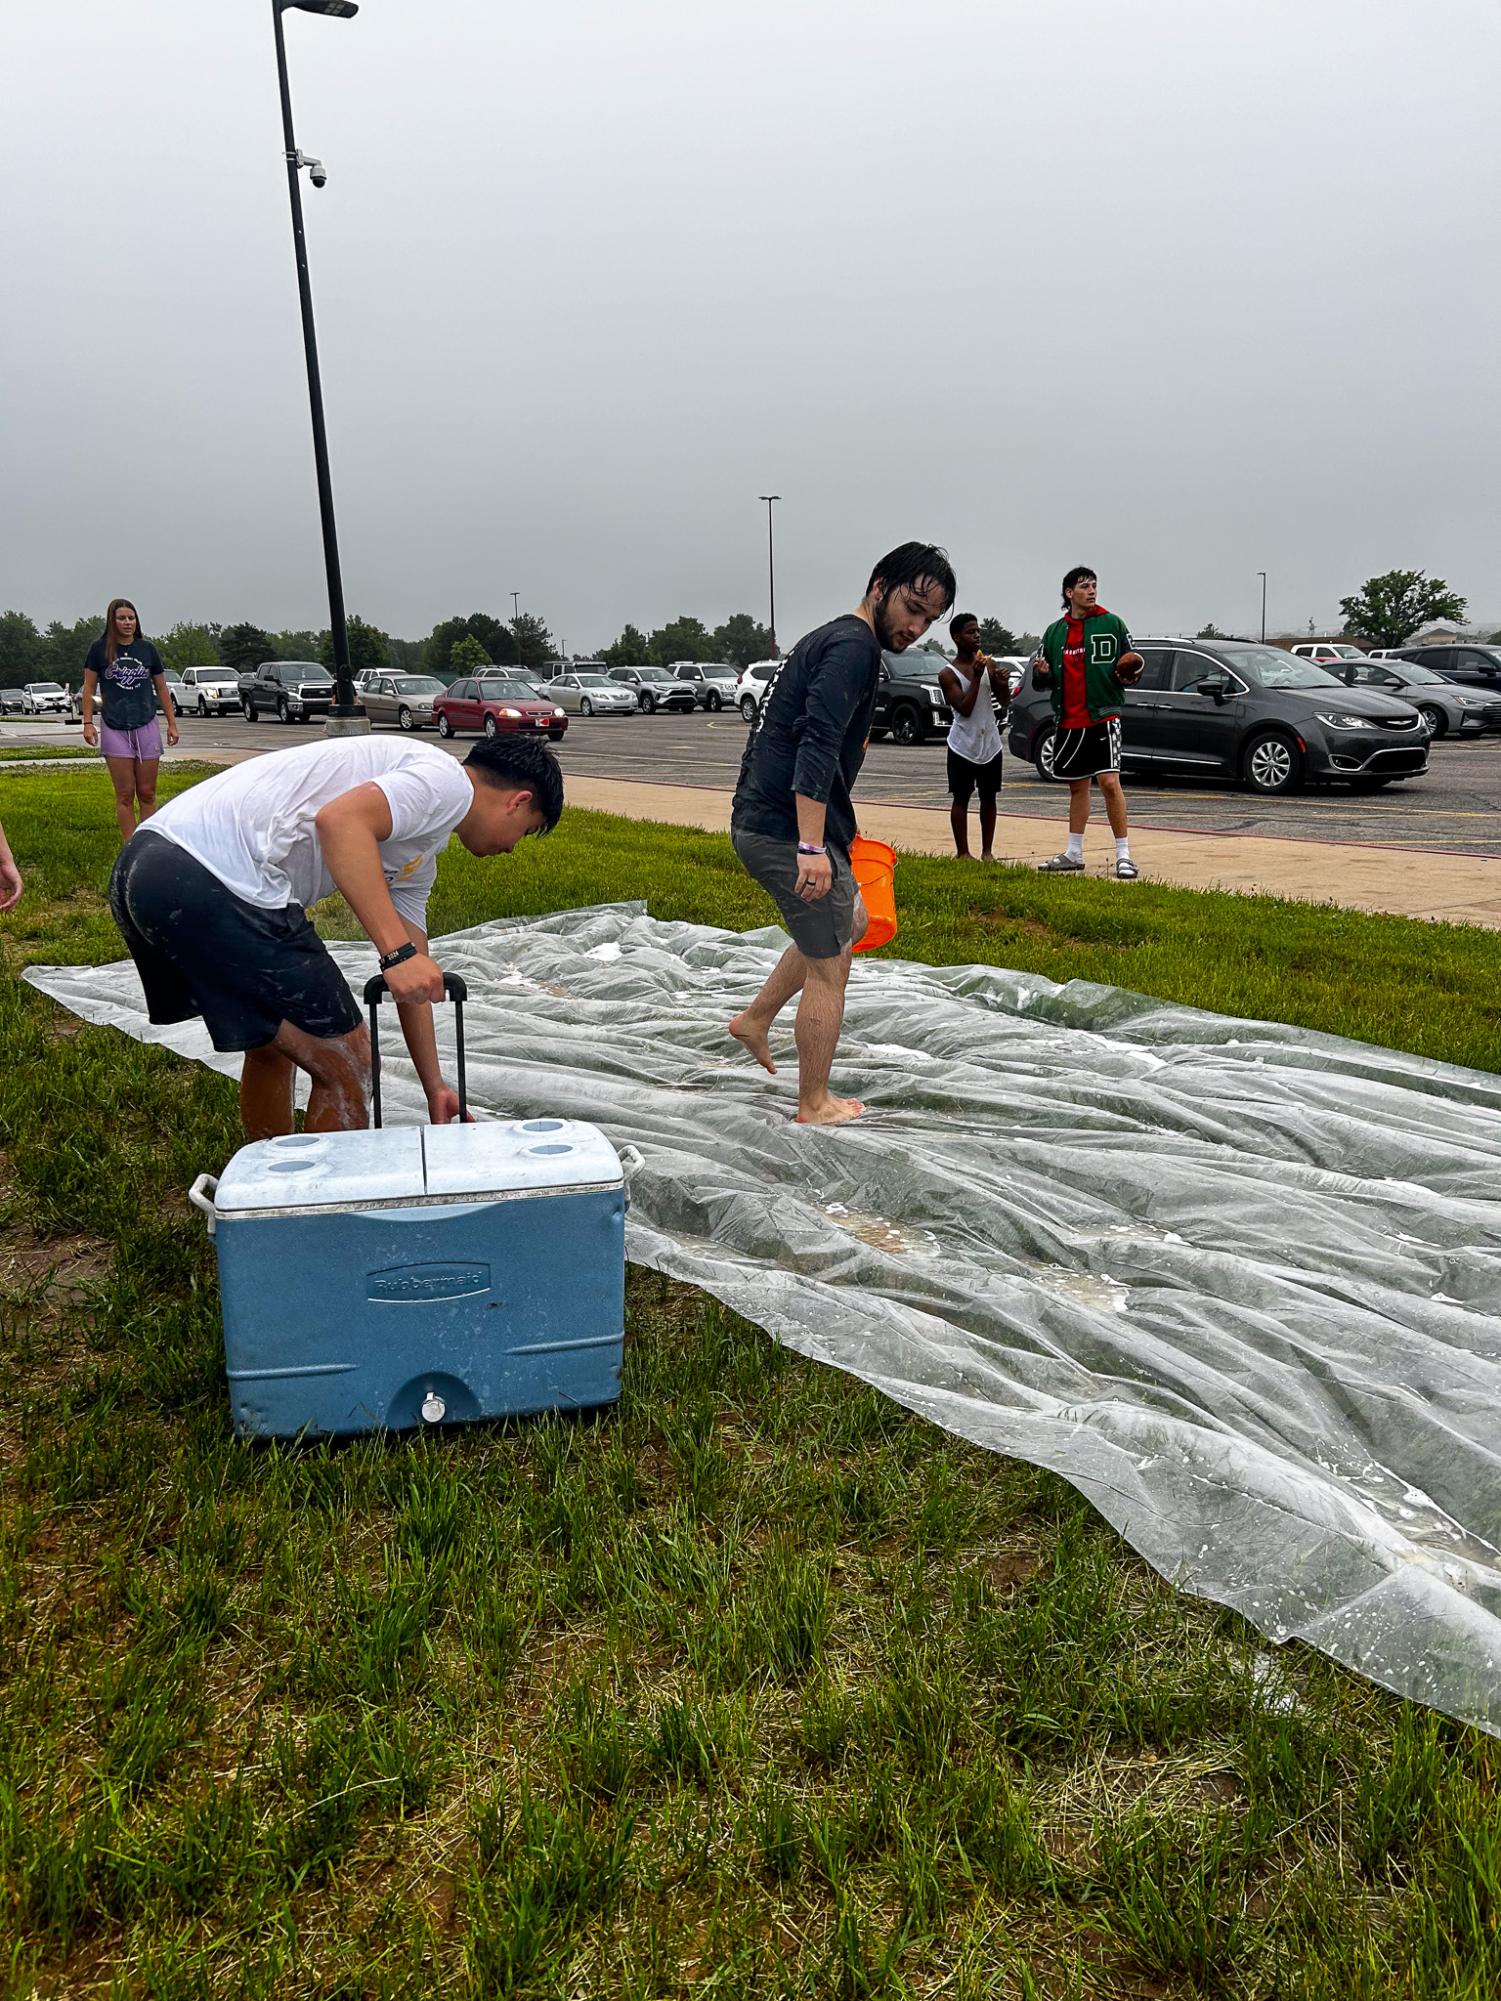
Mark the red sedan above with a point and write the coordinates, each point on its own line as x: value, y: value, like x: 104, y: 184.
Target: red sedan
x: 492, y: 703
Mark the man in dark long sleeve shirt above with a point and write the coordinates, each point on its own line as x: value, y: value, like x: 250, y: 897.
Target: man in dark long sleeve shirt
x: 794, y: 819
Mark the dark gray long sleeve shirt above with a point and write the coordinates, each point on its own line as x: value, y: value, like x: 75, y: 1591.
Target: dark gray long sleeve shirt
x: 810, y: 733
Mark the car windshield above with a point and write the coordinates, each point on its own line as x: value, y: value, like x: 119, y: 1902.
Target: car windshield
x: 507, y: 691
x: 314, y: 677
x: 593, y: 680
x: 1272, y: 668
x: 214, y: 674
x: 653, y: 673
x: 1410, y: 673
x: 720, y: 670
x: 46, y: 688
x: 417, y: 684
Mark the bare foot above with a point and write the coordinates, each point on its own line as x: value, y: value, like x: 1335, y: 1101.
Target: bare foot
x: 987, y: 858
x: 832, y: 1112
x: 750, y: 1037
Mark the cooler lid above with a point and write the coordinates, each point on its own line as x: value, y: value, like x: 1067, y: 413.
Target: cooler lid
x: 522, y: 1157
x: 323, y: 1171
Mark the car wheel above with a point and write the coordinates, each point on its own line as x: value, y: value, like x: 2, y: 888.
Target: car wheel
x: 1271, y: 763
x: 1042, y: 756
x: 586, y: 707
x: 491, y: 726
x: 1438, y: 724
x: 907, y: 726
x: 713, y: 701
x: 203, y: 708
x: 748, y: 707
x: 283, y: 713
x: 647, y: 703
x: 445, y: 727
x: 404, y: 718
x: 251, y: 715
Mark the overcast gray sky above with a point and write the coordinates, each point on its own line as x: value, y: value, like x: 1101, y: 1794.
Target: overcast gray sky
x: 1181, y: 290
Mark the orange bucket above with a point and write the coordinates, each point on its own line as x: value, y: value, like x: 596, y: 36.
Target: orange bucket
x: 874, y: 868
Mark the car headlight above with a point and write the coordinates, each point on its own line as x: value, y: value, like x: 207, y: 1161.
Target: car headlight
x: 935, y: 696
x: 558, y: 713
x: 512, y: 715
x: 1337, y: 721
x: 1469, y: 702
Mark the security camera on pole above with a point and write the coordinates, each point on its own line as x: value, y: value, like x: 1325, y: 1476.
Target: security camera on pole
x: 346, y: 719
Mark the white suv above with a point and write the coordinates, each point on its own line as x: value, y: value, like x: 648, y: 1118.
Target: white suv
x: 46, y: 698
x: 752, y: 686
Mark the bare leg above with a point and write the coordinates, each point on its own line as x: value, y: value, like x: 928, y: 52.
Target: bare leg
x: 987, y: 829
x: 122, y: 775
x: 266, y: 1093
x: 1115, y: 802
x: 959, y: 821
x: 1078, y: 804
x: 339, y: 1066
x: 145, y: 785
x: 820, y: 1016
x: 754, y: 1026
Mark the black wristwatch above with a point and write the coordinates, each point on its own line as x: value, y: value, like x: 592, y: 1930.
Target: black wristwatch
x: 390, y: 959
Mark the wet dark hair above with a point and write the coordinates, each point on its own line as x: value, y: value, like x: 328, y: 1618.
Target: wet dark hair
x: 522, y: 764
x: 915, y: 564
x: 1076, y: 576
x: 958, y: 622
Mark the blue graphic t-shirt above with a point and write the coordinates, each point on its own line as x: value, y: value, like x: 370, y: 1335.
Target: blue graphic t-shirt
x: 125, y: 691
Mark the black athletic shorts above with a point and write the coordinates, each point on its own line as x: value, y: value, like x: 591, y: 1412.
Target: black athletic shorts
x: 1085, y: 753
x: 965, y: 776
x: 200, y: 950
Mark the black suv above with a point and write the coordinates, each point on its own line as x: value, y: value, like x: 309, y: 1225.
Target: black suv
x: 910, y: 704
x: 1252, y: 714
x: 1470, y: 666
x: 292, y: 689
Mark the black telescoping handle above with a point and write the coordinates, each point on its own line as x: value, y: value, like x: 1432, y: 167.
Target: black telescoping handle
x: 455, y: 990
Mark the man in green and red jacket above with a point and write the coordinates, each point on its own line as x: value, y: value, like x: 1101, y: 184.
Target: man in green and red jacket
x: 1086, y: 661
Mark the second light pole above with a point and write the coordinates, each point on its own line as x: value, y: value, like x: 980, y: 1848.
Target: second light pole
x: 347, y: 718
x: 1262, y: 575
x: 771, y: 568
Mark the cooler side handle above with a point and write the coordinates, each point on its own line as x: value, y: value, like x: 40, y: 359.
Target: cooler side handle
x: 202, y: 1194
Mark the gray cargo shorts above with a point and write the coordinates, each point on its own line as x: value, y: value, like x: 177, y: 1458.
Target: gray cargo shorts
x: 820, y: 930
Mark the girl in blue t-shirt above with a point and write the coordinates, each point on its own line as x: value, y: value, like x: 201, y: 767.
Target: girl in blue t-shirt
x: 126, y: 670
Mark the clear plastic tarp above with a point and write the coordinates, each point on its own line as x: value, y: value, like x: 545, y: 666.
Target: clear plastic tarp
x: 1239, y: 1283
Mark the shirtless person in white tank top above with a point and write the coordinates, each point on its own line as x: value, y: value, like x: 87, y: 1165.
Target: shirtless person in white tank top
x: 975, y: 733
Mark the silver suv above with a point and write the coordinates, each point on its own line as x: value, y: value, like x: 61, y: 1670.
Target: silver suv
x: 712, y: 681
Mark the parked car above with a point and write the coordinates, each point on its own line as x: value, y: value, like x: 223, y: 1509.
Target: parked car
x: 292, y: 690
x: 1446, y: 707
x: 591, y: 695
x: 12, y: 701
x: 654, y: 688
x: 208, y: 691
x: 1326, y: 651
x: 910, y: 704
x: 752, y: 685
x: 495, y: 702
x: 1471, y: 666
x: 1250, y: 714
x: 712, y: 681
x: 403, y: 699
x: 178, y: 692
x: 45, y: 698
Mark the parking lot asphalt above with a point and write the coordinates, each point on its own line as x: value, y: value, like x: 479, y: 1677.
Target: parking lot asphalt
x: 1429, y: 847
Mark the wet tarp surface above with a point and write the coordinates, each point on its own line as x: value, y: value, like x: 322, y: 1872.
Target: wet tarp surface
x: 1239, y: 1283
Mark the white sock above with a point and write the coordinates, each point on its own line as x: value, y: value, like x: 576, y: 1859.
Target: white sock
x: 1122, y: 848
x: 1076, y: 847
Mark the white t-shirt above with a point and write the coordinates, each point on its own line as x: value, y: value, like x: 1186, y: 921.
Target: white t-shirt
x: 252, y: 826
x: 976, y: 736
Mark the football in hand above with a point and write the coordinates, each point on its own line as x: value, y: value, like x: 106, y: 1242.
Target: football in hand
x: 1128, y: 669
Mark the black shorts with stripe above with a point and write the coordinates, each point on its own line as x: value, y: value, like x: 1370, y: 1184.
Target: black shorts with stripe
x: 1085, y: 753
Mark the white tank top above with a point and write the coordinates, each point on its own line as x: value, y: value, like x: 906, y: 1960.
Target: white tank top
x: 976, y: 736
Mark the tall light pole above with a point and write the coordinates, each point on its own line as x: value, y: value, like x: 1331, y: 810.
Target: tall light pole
x: 346, y: 719
x: 771, y: 567
x: 1262, y: 575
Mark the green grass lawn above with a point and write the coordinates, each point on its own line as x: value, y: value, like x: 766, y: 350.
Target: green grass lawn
x: 43, y: 753
x: 754, y: 1686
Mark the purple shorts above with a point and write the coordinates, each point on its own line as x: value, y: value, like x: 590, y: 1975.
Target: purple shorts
x: 143, y: 744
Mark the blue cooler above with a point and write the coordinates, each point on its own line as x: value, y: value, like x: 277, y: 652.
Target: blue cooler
x: 419, y: 1275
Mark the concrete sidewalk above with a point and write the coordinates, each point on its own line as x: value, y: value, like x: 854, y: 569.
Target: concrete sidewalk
x: 1399, y: 882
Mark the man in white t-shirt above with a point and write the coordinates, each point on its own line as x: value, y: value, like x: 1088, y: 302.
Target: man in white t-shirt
x: 211, y: 896
x: 978, y: 690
